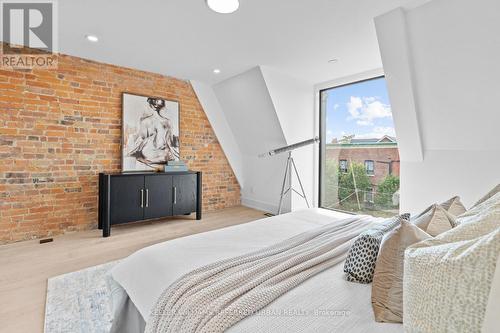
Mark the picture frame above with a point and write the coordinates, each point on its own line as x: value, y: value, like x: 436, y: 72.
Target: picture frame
x: 150, y: 132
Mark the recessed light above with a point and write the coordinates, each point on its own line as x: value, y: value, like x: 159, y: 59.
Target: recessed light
x: 223, y: 6
x: 92, y: 38
x: 332, y: 61
x: 216, y: 71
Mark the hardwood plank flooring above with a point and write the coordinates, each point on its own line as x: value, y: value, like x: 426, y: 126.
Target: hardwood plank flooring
x: 26, y: 266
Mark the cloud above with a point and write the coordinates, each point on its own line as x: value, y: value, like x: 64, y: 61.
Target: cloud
x: 365, y: 110
x: 377, y: 132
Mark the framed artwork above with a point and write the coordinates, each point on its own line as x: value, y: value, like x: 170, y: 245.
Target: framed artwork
x: 150, y: 133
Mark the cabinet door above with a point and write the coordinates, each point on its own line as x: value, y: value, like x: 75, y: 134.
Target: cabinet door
x: 184, y: 194
x: 158, y: 196
x: 126, y: 198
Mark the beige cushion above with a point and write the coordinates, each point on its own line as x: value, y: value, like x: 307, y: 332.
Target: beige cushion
x: 387, y: 287
x: 488, y: 195
x: 454, y: 206
x: 435, y: 220
x: 448, y: 278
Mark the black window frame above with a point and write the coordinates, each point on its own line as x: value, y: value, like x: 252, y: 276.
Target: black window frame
x: 322, y: 137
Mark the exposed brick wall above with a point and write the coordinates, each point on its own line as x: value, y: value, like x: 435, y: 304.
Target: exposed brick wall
x: 60, y: 128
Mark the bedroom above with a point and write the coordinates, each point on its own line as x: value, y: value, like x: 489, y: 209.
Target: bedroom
x: 150, y: 180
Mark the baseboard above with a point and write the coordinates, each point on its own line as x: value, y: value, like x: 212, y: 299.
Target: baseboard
x: 263, y: 206
x: 259, y: 205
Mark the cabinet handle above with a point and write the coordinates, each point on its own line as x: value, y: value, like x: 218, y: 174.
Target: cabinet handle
x: 147, y: 197
x: 175, y: 195
x: 142, y: 198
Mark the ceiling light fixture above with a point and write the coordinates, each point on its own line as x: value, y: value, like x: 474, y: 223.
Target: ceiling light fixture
x: 332, y: 61
x: 223, y: 6
x: 92, y: 38
x: 216, y: 71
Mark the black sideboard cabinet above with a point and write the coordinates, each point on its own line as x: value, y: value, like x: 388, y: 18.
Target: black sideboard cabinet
x: 130, y: 197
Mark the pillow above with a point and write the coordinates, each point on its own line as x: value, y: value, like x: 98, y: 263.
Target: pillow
x: 387, y: 287
x: 483, y: 209
x: 434, y: 220
x: 488, y: 195
x: 490, y: 324
x: 454, y: 206
x: 447, y: 279
x: 360, y: 262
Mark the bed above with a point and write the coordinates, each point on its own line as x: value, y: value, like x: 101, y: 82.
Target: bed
x: 324, y: 303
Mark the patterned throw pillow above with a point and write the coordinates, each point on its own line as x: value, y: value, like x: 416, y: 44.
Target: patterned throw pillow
x: 447, y: 279
x: 360, y: 263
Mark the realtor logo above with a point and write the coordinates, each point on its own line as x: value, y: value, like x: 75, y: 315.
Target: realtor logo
x: 28, y: 34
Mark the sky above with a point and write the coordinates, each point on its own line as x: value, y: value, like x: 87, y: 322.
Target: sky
x: 361, y: 109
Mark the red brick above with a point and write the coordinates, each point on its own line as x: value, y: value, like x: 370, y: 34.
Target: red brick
x: 79, y: 132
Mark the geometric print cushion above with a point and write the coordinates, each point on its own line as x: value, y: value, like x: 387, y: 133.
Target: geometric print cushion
x: 447, y: 279
x: 359, y: 265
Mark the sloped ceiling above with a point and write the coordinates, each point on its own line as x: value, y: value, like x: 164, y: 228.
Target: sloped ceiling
x: 220, y: 124
x: 293, y: 102
x: 441, y: 76
x: 187, y: 40
x: 443, y: 73
x: 249, y: 110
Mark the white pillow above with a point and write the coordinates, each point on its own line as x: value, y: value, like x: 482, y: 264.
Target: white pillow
x: 488, y: 195
x: 447, y: 279
x: 490, y: 324
x: 485, y: 208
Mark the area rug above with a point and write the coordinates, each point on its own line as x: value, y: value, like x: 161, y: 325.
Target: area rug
x: 79, y: 302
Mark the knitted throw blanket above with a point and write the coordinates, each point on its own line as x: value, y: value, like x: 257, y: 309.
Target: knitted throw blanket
x: 215, y: 297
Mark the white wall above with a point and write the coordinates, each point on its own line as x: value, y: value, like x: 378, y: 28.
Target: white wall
x: 447, y: 53
x: 250, y: 113
x: 254, y: 112
x: 444, y: 173
x: 293, y: 101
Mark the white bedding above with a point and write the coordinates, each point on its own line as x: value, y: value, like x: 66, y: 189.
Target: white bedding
x: 324, y: 303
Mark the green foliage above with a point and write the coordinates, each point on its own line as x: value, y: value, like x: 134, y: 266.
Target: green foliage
x: 330, y: 183
x: 339, y: 187
x: 346, y: 183
x: 385, y: 190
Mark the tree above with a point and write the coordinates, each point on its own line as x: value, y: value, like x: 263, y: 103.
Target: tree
x: 346, y: 183
x: 385, y: 190
x: 330, y: 182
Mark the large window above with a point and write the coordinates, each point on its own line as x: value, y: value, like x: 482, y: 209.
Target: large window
x: 359, y: 169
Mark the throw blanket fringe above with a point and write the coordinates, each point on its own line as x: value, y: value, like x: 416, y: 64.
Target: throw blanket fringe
x: 214, y: 297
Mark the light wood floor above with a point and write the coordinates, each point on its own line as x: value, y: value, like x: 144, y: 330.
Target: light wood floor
x: 26, y: 266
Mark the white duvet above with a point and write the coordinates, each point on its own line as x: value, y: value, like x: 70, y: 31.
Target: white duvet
x: 324, y: 303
